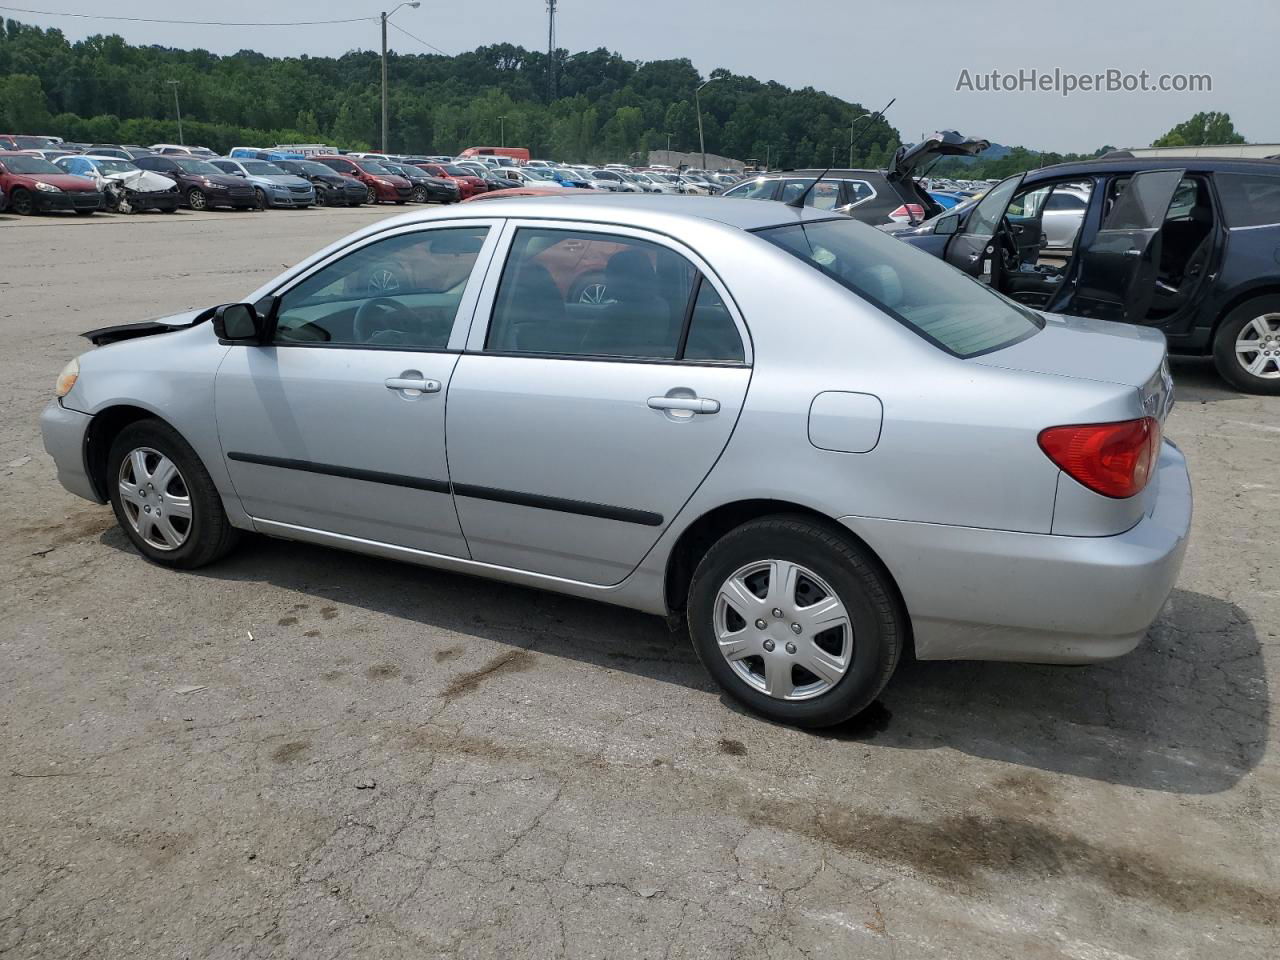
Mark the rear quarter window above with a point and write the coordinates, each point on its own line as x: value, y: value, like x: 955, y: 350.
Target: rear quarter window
x: 1249, y: 200
x: 952, y: 311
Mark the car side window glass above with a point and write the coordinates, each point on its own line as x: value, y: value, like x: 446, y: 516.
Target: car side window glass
x: 590, y: 294
x: 1249, y: 200
x: 401, y: 292
x: 712, y: 332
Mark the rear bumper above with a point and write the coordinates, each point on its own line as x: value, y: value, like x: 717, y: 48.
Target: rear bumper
x: 976, y: 594
x: 64, y: 432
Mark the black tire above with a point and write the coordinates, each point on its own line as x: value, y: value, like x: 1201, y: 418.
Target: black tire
x: 419, y: 195
x: 209, y: 534
x: 321, y: 198
x: 371, y: 195
x: 1231, y: 364
x: 197, y: 199
x: 21, y: 202
x: 85, y: 213
x: 169, y: 210
x: 872, y: 642
x: 401, y: 203
x: 590, y: 289
x: 261, y: 196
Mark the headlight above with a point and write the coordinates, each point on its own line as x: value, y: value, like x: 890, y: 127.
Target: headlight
x: 382, y: 183
x: 67, y: 378
x: 47, y: 187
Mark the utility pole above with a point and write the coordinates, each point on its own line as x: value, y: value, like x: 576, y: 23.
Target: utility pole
x: 502, y: 131
x: 768, y: 151
x: 668, y: 136
x: 697, y: 105
x: 177, y: 109
x: 551, y: 50
x: 413, y: 4
x: 851, y: 126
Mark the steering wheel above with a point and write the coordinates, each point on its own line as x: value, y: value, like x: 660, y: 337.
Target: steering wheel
x: 384, y: 320
x: 1008, y: 246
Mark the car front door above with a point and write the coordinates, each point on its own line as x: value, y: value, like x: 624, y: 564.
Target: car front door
x: 578, y: 430
x: 975, y: 249
x: 337, y: 424
x: 1119, y: 268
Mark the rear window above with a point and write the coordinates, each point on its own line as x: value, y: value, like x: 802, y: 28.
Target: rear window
x: 1249, y: 200
x: 964, y: 317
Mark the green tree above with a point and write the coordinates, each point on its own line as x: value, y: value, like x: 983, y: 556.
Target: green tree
x: 22, y: 104
x: 1203, y: 129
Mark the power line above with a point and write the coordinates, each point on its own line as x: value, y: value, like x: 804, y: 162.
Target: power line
x: 193, y: 23
x: 419, y: 39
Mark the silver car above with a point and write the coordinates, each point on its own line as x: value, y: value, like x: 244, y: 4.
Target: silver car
x: 272, y: 186
x: 820, y: 446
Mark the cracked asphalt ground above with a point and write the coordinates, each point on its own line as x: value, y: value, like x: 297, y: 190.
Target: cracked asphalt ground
x: 304, y: 753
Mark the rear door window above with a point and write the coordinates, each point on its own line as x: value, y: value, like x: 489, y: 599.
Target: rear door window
x: 1249, y: 200
x: 951, y: 310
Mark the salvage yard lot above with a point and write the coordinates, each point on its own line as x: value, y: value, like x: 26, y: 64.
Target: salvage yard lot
x: 304, y: 753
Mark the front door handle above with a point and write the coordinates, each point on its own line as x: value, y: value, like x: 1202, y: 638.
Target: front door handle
x: 688, y: 404
x: 412, y: 383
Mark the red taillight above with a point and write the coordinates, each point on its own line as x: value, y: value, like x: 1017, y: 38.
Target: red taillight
x: 1113, y: 459
x: 908, y: 211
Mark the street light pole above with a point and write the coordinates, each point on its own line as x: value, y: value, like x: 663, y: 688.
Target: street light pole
x: 851, y: 126
x: 697, y: 105
x: 177, y: 109
x: 502, y: 131
x: 414, y: 4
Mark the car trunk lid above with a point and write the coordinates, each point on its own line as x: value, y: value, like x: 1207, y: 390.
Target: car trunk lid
x: 1099, y: 350
x: 908, y: 159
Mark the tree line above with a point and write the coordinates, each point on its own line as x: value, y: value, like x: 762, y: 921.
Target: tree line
x: 607, y: 108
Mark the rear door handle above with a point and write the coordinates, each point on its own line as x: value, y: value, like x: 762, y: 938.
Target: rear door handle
x: 410, y: 383
x: 689, y: 404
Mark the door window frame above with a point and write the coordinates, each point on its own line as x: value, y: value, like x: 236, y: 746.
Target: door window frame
x: 483, y: 309
x: 466, y: 306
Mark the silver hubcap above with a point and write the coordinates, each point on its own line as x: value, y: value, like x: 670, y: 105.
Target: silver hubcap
x: 783, y: 630
x: 594, y: 293
x: 383, y: 280
x: 1258, y: 346
x: 155, y: 498
x: 196, y: 199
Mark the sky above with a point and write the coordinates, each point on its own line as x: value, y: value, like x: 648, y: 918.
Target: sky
x: 918, y: 52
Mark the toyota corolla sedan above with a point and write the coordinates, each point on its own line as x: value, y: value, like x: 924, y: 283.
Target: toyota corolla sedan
x: 818, y: 446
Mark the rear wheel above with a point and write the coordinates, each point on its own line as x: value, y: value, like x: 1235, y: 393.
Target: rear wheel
x: 21, y: 202
x: 795, y: 621
x: 164, y: 499
x: 1246, y: 347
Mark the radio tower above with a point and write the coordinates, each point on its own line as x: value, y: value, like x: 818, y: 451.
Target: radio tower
x: 551, y: 49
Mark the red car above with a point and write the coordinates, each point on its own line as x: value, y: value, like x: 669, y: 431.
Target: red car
x: 467, y: 182
x: 381, y: 184
x: 34, y: 185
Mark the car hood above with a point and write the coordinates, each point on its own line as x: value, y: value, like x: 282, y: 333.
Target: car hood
x: 945, y: 143
x: 143, y: 181
x: 63, y: 181
x: 1090, y: 349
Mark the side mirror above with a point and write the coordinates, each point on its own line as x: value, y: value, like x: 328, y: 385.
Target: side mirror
x: 238, y: 323
x: 947, y: 226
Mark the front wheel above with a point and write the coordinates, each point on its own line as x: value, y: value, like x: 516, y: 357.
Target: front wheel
x: 1246, y: 347
x: 197, y: 199
x: 371, y: 196
x: 261, y: 195
x: 22, y: 203
x: 164, y: 499
x: 419, y: 195
x: 795, y: 621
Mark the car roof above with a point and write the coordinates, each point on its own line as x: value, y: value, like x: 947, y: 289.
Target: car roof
x: 1138, y: 164
x: 643, y: 209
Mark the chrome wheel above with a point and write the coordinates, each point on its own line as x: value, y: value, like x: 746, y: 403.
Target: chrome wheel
x: 196, y: 200
x: 594, y: 293
x: 1258, y: 346
x: 155, y: 498
x: 783, y: 630
x: 382, y: 282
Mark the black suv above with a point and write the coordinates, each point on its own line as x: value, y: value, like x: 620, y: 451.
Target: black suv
x: 1190, y: 246
x: 872, y: 196
x: 332, y: 188
x: 203, y: 185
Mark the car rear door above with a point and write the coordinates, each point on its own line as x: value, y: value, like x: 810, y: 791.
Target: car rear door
x: 337, y: 424
x: 578, y: 430
x: 1118, y: 269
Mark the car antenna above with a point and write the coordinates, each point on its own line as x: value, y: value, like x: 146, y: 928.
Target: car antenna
x: 798, y: 202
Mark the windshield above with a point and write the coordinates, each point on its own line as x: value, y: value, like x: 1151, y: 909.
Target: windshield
x: 115, y: 166
x: 948, y: 308
x: 376, y: 169
x: 29, y: 165
x: 455, y: 171
x: 535, y: 173
x: 260, y: 168
x: 192, y: 165
x: 314, y: 169
x: 32, y: 143
x: 567, y: 174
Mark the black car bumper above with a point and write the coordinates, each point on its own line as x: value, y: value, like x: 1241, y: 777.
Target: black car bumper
x: 442, y: 194
x: 154, y: 200
x: 66, y: 200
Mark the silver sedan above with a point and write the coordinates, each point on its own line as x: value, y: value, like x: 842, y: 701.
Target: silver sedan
x: 820, y: 447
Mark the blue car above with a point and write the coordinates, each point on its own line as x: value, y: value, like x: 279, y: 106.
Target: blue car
x: 946, y: 200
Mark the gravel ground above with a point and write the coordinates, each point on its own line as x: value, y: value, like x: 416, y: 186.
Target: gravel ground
x: 304, y: 753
